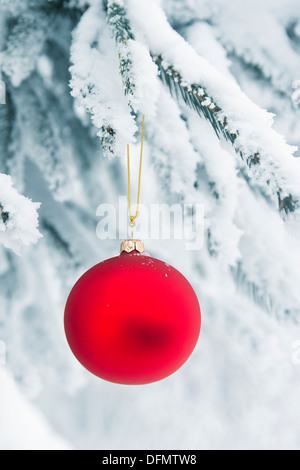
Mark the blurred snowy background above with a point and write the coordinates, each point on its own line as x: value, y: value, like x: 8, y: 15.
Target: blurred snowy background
x: 59, y: 64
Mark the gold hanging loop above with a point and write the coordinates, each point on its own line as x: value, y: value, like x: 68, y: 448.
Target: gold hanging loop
x: 133, y: 218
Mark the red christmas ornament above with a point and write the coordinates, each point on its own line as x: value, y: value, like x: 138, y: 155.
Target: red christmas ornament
x: 132, y: 319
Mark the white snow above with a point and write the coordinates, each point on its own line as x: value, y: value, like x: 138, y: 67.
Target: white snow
x: 272, y: 52
x: 22, y: 426
x: 21, y: 227
x: 143, y: 77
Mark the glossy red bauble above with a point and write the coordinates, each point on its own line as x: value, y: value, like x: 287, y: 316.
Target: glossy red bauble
x: 132, y: 319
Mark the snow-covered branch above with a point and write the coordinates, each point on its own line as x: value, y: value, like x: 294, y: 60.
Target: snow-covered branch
x: 25, y: 44
x: 269, y: 160
x: 136, y: 66
x: 18, y: 217
x: 112, y: 84
x: 264, y: 172
x: 96, y: 83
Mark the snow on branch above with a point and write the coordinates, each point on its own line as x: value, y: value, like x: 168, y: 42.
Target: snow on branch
x: 138, y: 71
x: 96, y: 83
x: 269, y: 160
x: 112, y: 84
x: 264, y: 172
x: 18, y: 217
x: 271, y: 54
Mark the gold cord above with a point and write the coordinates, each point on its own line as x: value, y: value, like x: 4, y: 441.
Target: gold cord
x: 134, y: 217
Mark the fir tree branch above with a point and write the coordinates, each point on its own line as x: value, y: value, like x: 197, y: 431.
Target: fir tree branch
x: 118, y: 21
x: 196, y: 97
x: 120, y: 26
x: 193, y: 95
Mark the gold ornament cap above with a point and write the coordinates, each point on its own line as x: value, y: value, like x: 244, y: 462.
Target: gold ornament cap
x: 132, y: 245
